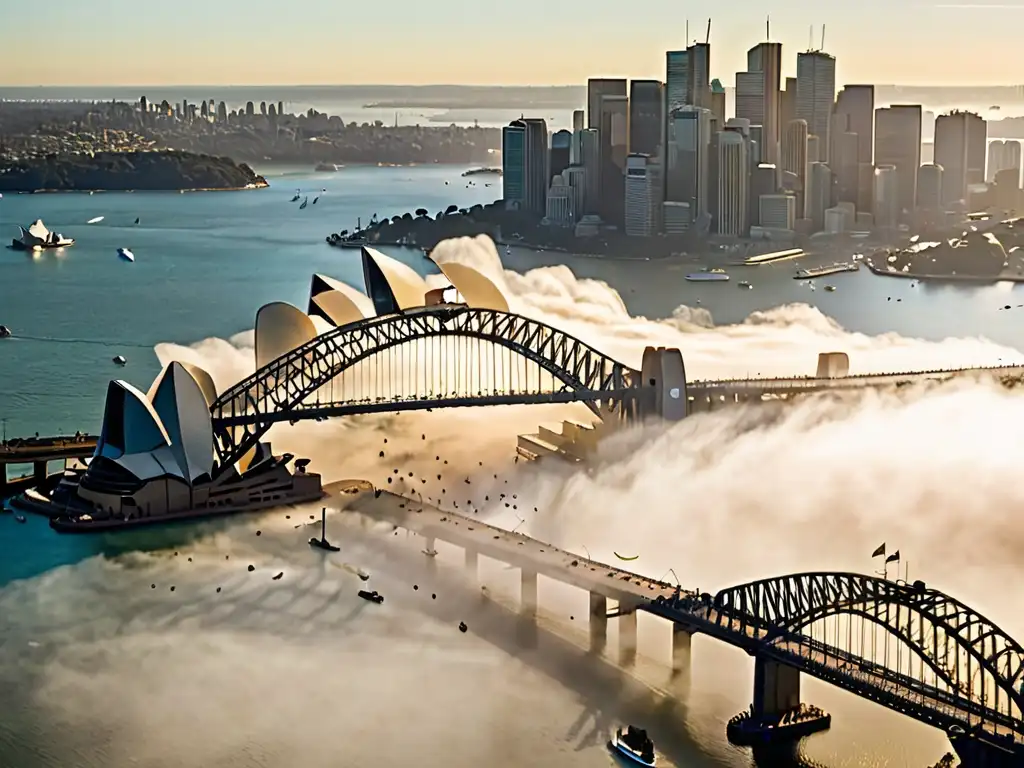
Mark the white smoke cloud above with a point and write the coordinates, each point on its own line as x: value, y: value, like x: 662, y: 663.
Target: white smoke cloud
x: 719, y: 498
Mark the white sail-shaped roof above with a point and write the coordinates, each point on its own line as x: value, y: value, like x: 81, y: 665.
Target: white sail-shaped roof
x: 280, y: 328
x: 38, y: 230
x: 476, y: 288
x: 183, y: 409
x: 390, y: 284
x: 130, y: 423
x: 337, y: 302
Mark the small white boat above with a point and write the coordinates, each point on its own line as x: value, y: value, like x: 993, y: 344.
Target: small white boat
x: 125, y: 254
x: 830, y: 288
x: 707, y: 277
x: 95, y: 220
x: 119, y: 360
x: 430, y: 552
x: 745, y: 284
x: 634, y: 745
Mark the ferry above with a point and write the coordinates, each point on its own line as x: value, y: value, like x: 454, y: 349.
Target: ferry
x: 831, y: 269
x: 771, y: 258
x: 712, y: 276
x: 634, y: 745
x: 125, y: 254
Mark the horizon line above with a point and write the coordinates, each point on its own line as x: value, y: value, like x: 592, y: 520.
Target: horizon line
x: 442, y: 85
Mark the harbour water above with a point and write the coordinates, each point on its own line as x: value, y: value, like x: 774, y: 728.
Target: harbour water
x: 99, y: 668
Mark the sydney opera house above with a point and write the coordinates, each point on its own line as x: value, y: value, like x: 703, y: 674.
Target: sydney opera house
x: 155, y: 458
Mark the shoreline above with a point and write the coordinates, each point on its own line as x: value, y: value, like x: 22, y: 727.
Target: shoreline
x: 246, y: 188
x: 945, y: 278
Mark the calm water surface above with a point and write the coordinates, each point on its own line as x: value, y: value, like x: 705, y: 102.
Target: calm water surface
x: 106, y: 671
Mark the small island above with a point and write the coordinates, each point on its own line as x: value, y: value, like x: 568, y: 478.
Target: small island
x: 973, y: 256
x: 150, y: 171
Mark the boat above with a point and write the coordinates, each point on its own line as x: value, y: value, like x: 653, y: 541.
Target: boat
x: 359, y: 242
x: 315, y: 199
x: 95, y: 220
x: 322, y: 542
x: 325, y: 168
x: 635, y: 745
x: 430, y: 552
x: 830, y: 288
x: 297, y: 196
x: 373, y: 597
x: 5, y: 332
x: 708, y: 277
x: 38, y: 238
x: 745, y: 284
x: 118, y: 360
x: 304, y: 203
x: 831, y: 269
x: 125, y: 254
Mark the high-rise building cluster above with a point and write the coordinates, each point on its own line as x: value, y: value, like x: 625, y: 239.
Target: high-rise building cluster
x: 652, y: 157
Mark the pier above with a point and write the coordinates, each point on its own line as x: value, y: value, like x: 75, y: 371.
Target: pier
x: 39, y: 452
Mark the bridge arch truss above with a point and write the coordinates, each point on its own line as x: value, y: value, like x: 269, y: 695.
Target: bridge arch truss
x: 281, y: 390
x: 957, y: 649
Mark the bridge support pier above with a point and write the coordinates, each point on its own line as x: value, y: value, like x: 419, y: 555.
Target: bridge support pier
x: 776, y: 688
x: 682, y: 640
x: 472, y: 561
x: 39, y: 472
x: 983, y: 753
x: 627, y: 636
x: 598, y: 623
x: 528, y: 607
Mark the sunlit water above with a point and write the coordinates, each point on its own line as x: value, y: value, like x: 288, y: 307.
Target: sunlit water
x: 100, y: 669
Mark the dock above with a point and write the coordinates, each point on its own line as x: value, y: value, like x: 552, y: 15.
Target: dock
x: 39, y: 452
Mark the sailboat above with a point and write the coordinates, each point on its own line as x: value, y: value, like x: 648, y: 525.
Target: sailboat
x: 315, y: 199
x: 297, y: 196
x: 304, y: 203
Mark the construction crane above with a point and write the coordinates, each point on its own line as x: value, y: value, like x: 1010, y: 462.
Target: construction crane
x: 707, y: 37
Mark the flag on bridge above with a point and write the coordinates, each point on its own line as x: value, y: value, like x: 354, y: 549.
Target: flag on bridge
x: 893, y: 558
x: 880, y: 552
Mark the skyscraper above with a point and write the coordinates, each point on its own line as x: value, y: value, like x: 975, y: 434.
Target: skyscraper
x: 929, y: 187
x: 951, y: 153
x: 898, y: 144
x: 677, y: 80
x: 888, y: 192
x: 787, y: 103
x: 642, y: 202
x: 717, y: 105
x: 590, y: 159
x: 1001, y: 156
x: 513, y: 163
x: 819, y: 194
x: 977, y: 148
x: 733, y: 184
x: 646, y: 117
x: 764, y: 64
x: 794, y: 160
x: 857, y: 104
x: 614, y: 141
x: 561, y: 143
x: 578, y: 120
x: 816, y: 95
x: 699, y: 76
x: 597, y: 89
x: 537, y: 177
x: 686, y: 176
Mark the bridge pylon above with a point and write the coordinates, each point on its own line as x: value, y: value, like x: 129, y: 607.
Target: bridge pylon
x: 663, y: 384
x: 776, y: 688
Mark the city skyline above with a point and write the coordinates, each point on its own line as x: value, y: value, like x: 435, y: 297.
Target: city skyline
x: 244, y: 44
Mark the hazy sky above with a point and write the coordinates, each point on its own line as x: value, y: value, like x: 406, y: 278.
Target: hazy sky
x: 530, y: 42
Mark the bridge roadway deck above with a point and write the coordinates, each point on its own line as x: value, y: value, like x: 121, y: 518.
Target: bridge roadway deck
x: 934, y: 706
x: 27, y: 450
x: 629, y: 589
x: 797, y: 385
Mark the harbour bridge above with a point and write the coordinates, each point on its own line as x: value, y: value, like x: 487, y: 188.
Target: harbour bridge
x: 454, y: 355
x: 906, y: 646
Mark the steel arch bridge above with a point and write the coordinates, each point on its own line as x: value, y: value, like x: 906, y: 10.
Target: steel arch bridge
x: 565, y: 369
x: 960, y: 666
